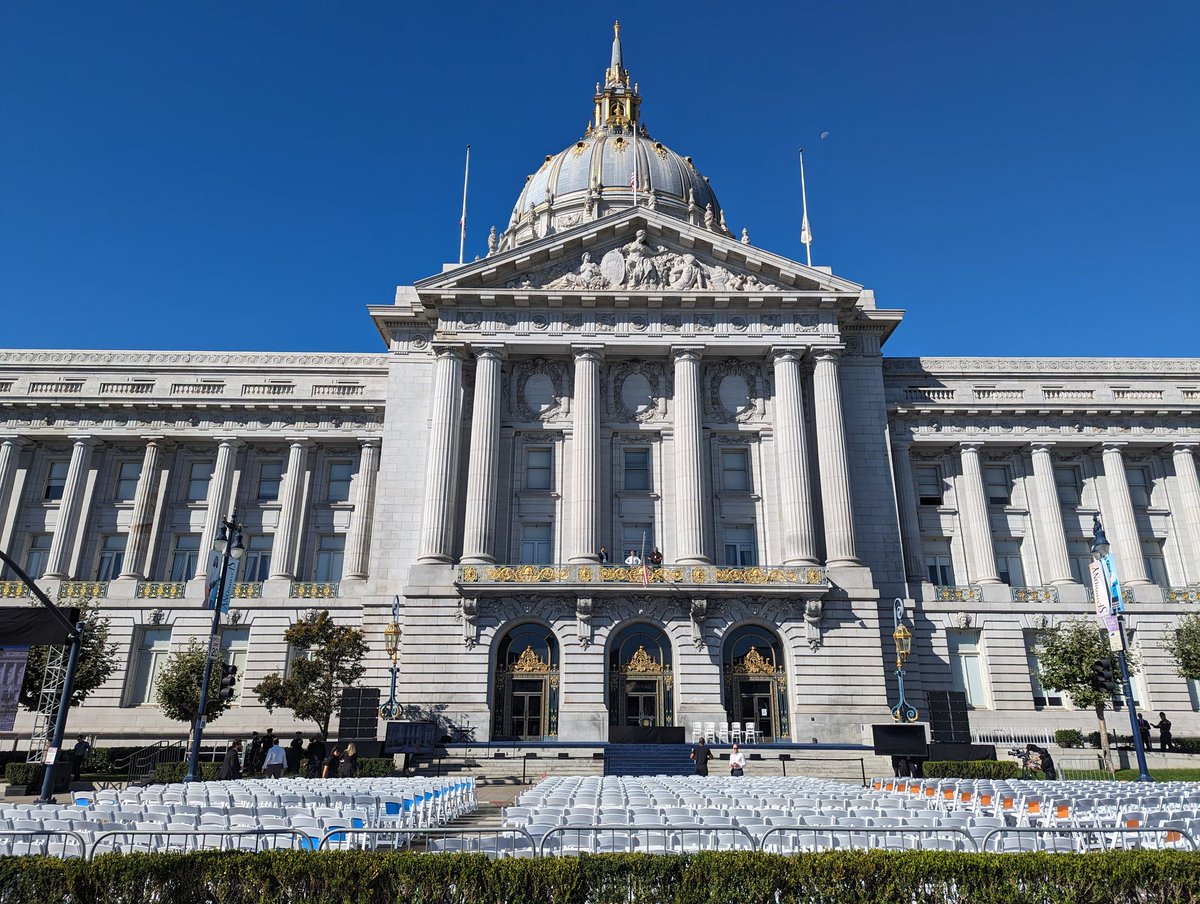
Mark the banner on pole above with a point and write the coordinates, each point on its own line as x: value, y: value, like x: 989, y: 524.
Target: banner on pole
x: 12, y: 676
x: 213, y: 581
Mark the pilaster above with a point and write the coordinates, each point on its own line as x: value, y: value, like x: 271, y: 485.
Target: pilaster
x: 358, y: 542
x: 689, y: 460
x: 479, y: 527
x: 291, y: 502
x: 791, y: 455
x: 145, y: 514
x: 973, y: 514
x: 63, y: 542
x: 831, y: 454
x: 441, y: 466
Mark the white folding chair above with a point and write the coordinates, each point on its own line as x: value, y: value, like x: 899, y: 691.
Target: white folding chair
x: 750, y: 733
x: 722, y: 733
x: 710, y: 732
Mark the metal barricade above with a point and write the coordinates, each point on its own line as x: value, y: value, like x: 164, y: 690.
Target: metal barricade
x: 226, y: 840
x: 647, y: 838
x: 869, y: 832
x: 1098, y: 833
x: 47, y: 834
x: 506, y: 842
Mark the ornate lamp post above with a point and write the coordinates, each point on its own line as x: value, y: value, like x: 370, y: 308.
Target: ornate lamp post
x: 903, y: 711
x: 391, y: 643
x: 1115, y: 607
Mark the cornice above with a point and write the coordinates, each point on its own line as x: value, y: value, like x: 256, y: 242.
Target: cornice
x: 1108, y: 368
x: 190, y: 359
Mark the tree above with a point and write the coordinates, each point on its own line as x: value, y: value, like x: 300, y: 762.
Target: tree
x: 178, y: 689
x: 1184, y: 646
x: 97, y: 660
x: 1067, y: 656
x: 313, y: 687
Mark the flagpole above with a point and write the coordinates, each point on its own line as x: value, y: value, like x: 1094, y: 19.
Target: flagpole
x: 462, y: 222
x: 805, y: 230
x: 635, y: 158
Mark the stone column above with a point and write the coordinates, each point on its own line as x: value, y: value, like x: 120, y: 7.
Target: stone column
x: 10, y: 452
x: 1188, y: 518
x: 358, y: 541
x: 479, y: 522
x: 291, y: 504
x: 831, y: 455
x: 584, y: 540
x: 144, y: 515
x: 220, y: 489
x: 441, y: 467
x: 689, y: 460
x: 973, y: 515
x: 1056, y: 564
x: 1120, y: 525
x: 63, y: 542
x: 910, y: 522
x: 795, y: 487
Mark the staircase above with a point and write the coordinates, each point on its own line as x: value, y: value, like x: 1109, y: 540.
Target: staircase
x: 648, y: 759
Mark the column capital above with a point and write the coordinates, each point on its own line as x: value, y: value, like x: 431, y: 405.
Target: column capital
x: 303, y: 441
x: 1042, y: 445
x: 1184, y: 446
x: 786, y: 353
x: 827, y: 353
x: 971, y: 445
x: 449, y: 350
x: 687, y: 352
x: 588, y: 352
x: 493, y: 352
x: 15, y: 439
x: 1113, y: 445
x: 372, y: 442
x: 81, y: 440
x: 233, y: 441
x: 901, y: 443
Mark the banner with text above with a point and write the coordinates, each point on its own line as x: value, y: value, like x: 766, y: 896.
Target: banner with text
x: 12, y: 676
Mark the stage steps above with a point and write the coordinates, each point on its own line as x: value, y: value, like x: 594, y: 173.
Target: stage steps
x: 648, y: 759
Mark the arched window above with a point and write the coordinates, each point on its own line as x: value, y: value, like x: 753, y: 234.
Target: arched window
x: 641, y: 680
x: 756, y: 681
x: 526, y: 682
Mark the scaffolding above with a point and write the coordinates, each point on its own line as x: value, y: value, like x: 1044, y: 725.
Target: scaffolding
x: 46, y: 716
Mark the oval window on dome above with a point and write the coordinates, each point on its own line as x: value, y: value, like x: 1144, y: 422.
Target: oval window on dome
x: 636, y: 393
x: 734, y: 394
x: 539, y: 393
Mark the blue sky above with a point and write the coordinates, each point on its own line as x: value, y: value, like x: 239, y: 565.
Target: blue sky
x: 1021, y: 178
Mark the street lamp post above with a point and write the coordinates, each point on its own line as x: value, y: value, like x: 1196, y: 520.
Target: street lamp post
x: 228, y: 545
x: 391, y: 643
x: 1100, y: 553
x: 903, y: 711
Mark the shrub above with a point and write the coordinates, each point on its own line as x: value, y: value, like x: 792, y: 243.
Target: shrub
x: 1186, y: 745
x: 971, y: 769
x: 23, y: 773
x: 1068, y: 737
x: 376, y: 767
x: 167, y: 773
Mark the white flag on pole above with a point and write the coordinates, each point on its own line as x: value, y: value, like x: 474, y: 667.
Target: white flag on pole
x: 805, y: 231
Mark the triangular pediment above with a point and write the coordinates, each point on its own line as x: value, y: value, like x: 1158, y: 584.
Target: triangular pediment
x: 637, y: 251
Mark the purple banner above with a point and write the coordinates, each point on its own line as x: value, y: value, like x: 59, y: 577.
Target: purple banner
x: 12, y: 676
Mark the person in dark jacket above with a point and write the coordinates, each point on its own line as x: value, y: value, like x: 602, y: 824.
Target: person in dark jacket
x: 348, y: 765
x: 315, y: 756
x: 295, y: 754
x: 231, y: 766
x: 254, y: 754
x: 1164, y: 733
x: 700, y: 755
x: 332, y: 763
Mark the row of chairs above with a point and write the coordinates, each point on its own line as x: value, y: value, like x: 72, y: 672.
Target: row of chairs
x: 725, y: 732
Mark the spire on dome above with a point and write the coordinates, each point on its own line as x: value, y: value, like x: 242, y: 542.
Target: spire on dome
x: 615, y: 60
x: 617, y: 104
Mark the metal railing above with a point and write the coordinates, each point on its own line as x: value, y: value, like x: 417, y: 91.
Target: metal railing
x: 689, y: 575
x: 708, y: 838
x: 47, y: 834
x: 141, y: 763
x: 312, y: 590
x: 835, y: 833
x: 161, y: 590
x: 225, y: 838
x: 82, y: 590
x: 1092, y: 835
x: 346, y: 837
x: 1011, y: 736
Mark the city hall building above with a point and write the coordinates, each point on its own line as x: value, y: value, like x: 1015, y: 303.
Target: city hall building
x: 620, y: 371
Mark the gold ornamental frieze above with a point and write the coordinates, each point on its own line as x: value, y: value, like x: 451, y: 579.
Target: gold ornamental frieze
x: 530, y: 662
x: 526, y: 574
x: 754, y: 663
x: 593, y: 574
x: 642, y: 663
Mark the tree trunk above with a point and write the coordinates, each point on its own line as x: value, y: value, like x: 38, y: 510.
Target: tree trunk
x: 1105, y: 751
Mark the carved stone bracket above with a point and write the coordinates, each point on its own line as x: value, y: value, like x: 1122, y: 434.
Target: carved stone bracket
x: 584, y: 607
x: 813, y: 610
x: 698, y: 612
x: 468, y: 612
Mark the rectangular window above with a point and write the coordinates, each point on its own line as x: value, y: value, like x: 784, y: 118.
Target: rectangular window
x: 1139, y: 486
x: 931, y: 488
x: 1008, y: 562
x: 966, y: 667
x: 1156, y: 562
x: 937, y: 562
x: 1069, y: 485
x: 38, y: 555
x: 340, y: 473
x: 199, y: 475
x: 1079, y: 550
x: 631, y: 538
x: 740, y: 545
x: 295, y: 654
x: 330, y: 553
x: 637, y: 469
x: 270, y: 475
x: 537, y: 469
x: 56, y: 481
x: 1041, y: 696
x: 535, y: 543
x: 258, y: 558
x: 150, y: 652
x: 235, y: 642
x: 735, y: 470
x: 997, y: 485
x: 112, y: 557
x: 128, y: 474
x: 185, y: 557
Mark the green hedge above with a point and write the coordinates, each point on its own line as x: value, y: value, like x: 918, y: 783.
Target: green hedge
x: 22, y: 773
x: 927, y: 877
x: 971, y: 769
x: 1068, y: 737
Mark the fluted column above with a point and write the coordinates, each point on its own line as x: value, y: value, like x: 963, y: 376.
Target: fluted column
x: 441, y: 467
x: 1188, y: 519
x: 585, y: 449
x: 973, y: 514
x: 689, y: 460
x: 791, y: 450
x: 1120, y: 525
x: 1056, y: 564
x: 145, y: 510
x: 58, y: 561
x: 10, y: 452
x: 831, y: 455
x: 291, y: 504
x: 220, y: 488
x: 910, y: 522
x: 479, y: 523
x: 358, y: 538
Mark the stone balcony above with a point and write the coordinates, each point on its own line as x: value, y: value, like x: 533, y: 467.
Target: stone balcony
x: 587, y: 579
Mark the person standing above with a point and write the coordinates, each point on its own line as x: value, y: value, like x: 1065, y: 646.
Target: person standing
x: 79, y: 753
x: 633, y: 558
x: 253, y: 754
x: 655, y: 559
x: 1164, y: 733
x: 700, y: 755
x: 332, y: 763
x: 348, y: 765
x: 1144, y: 731
x: 295, y: 754
x: 737, y: 761
x: 315, y: 755
x: 275, y: 760
x: 603, y: 556
x: 231, y: 766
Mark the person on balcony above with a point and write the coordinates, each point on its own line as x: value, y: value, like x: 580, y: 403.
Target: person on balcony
x: 655, y: 559
x: 633, y: 558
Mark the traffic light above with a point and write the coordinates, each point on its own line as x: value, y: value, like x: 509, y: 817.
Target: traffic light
x: 1102, y: 675
x: 228, y: 681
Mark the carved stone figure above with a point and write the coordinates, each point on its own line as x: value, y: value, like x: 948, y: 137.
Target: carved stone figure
x: 710, y: 219
x: 686, y: 273
x: 745, y: 235
x: 724, y: 228
x: 588, y: 276
x: 639, y: 262
x: 812, y: 623
x: 491, y: 246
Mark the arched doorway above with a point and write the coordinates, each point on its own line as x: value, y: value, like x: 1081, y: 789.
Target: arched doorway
x: 641, y: 680
x: 527, y: 678
x: 756, y: 681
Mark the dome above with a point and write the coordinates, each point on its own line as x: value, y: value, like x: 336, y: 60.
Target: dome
x: 595, y: 175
